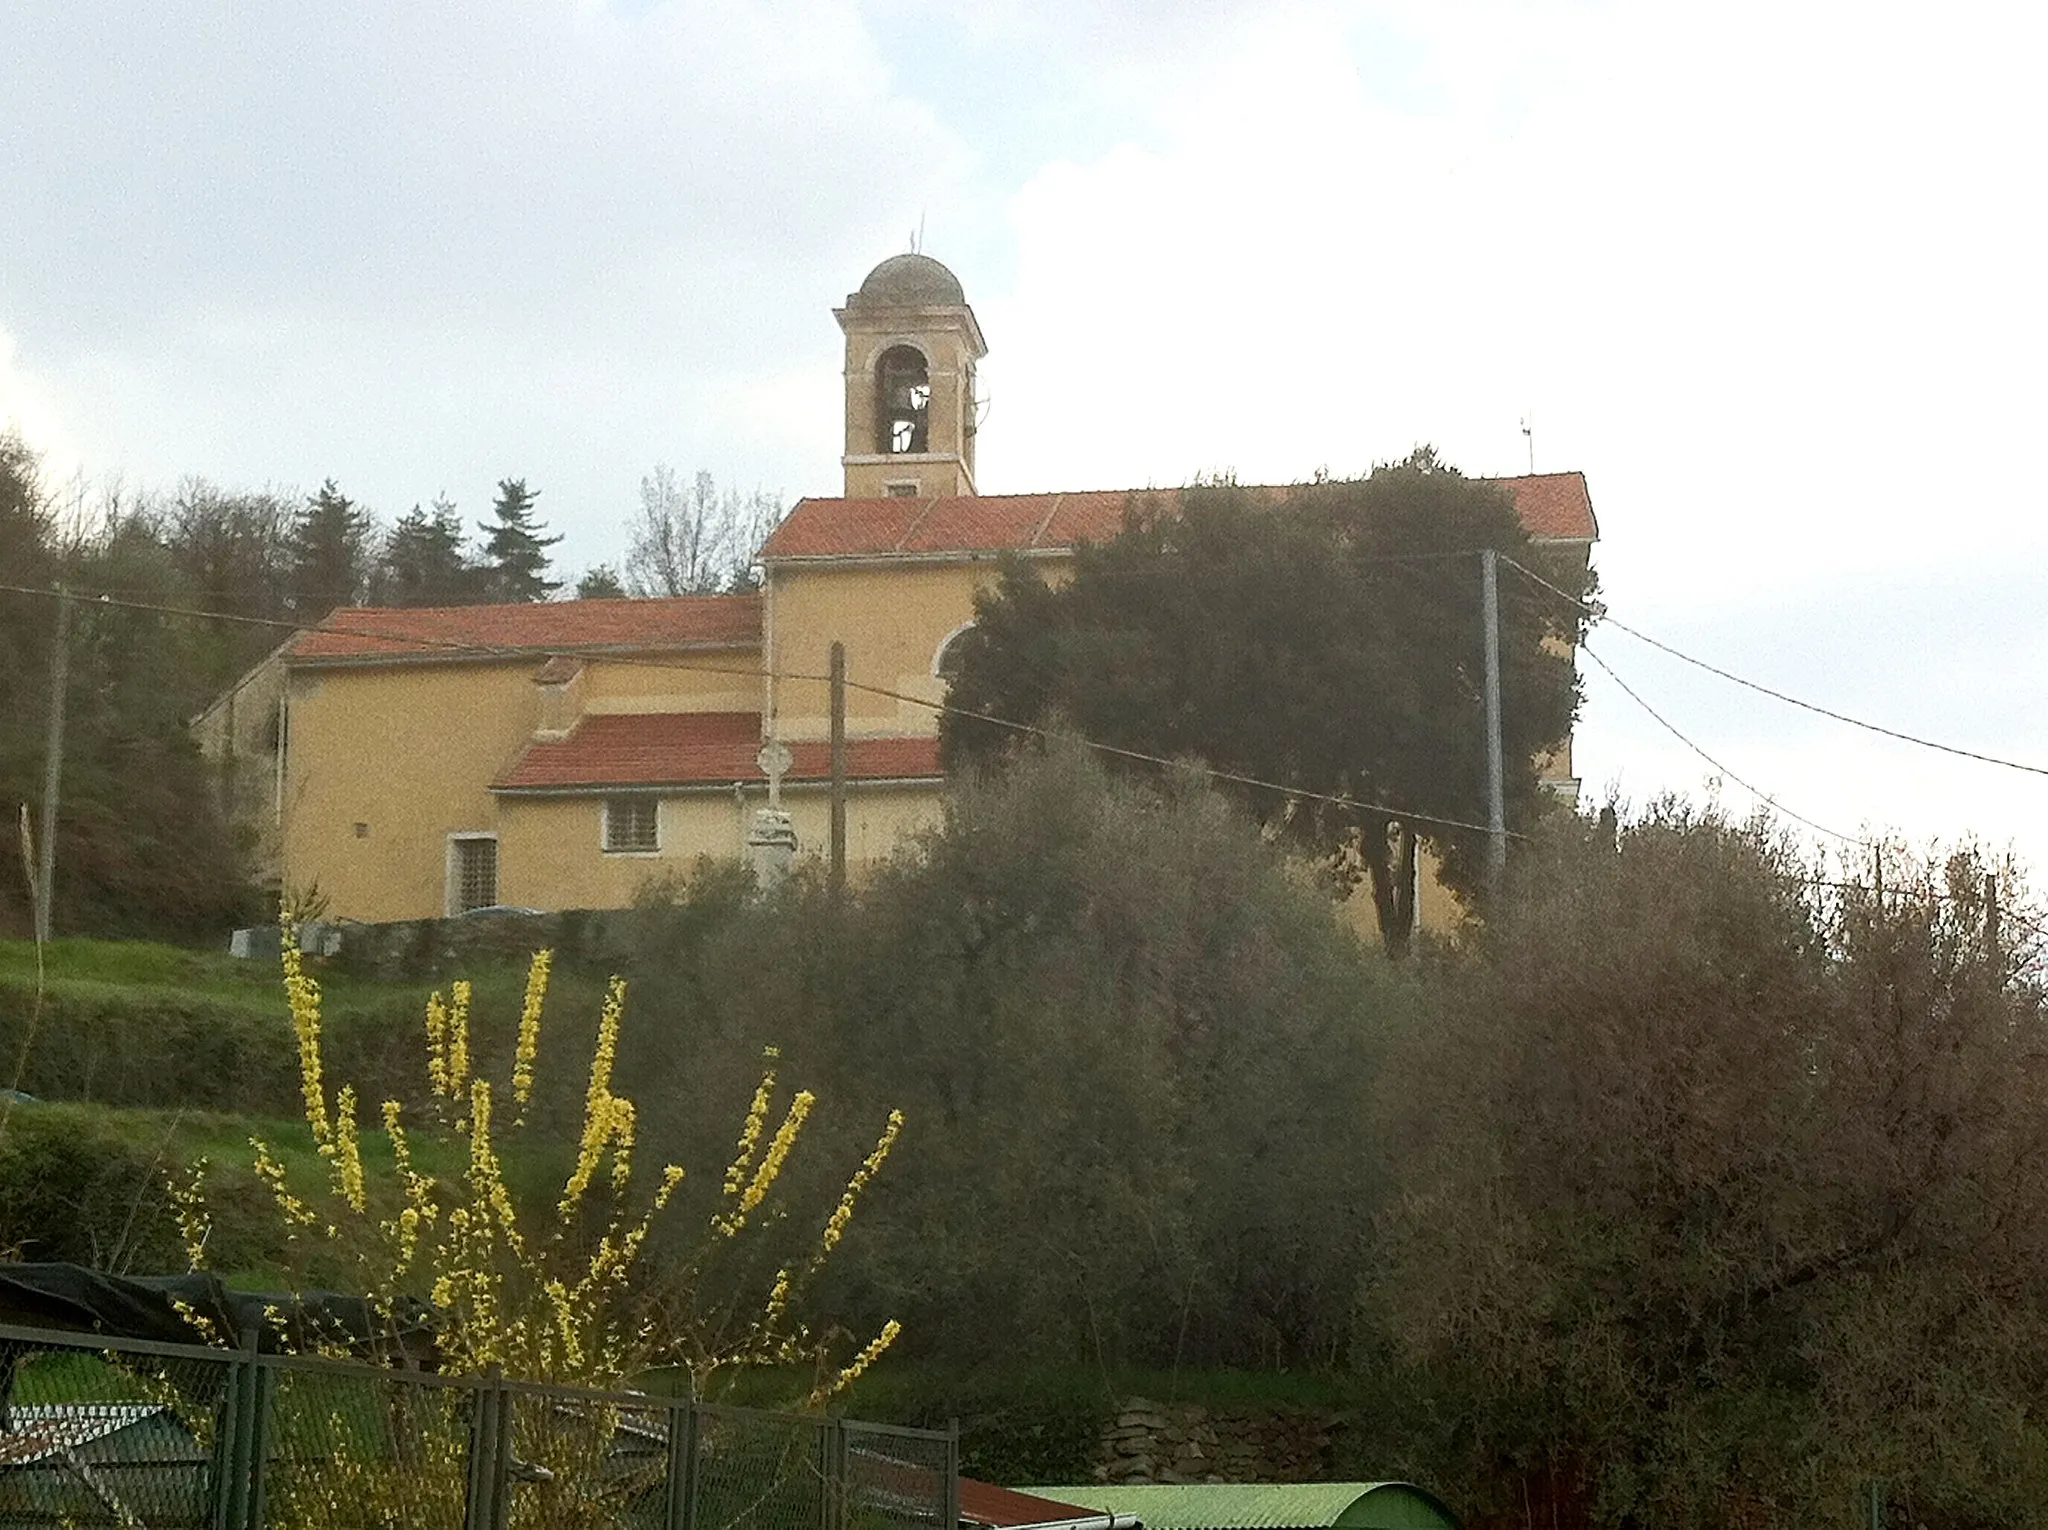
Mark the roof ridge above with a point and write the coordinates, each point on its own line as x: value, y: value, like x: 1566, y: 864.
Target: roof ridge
x: 1059, y: 498
x: 918, y: 519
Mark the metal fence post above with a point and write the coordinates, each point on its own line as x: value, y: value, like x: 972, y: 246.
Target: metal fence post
x: 502, y: 1454
x: 952, y: 1474
x: 227, y: 1446
x: 838, y: 1469
x: 238, y: 1439
x: 486, y: 1473
x: 262, y: 1417
x: 679, y: 1508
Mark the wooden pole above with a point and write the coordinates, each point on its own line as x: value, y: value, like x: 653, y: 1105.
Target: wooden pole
x: 1496, y: 796
x: 838, y: 862
x: 53, y: 766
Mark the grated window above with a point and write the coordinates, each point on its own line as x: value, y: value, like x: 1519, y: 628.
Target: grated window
x: 475, y: 874
x: 632, y: 825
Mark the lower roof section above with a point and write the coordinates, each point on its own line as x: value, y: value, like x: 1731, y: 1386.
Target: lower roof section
x: 1261, y: 1506
x: 652, y: 750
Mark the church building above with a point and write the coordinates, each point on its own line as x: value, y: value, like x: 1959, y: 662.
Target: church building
x: 419, y: 762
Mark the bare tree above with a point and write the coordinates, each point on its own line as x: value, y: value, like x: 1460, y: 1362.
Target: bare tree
x: 696, y: 540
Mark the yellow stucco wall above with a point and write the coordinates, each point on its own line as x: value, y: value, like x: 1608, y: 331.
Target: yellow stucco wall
x: 405, y: 752
x: 892, y: 621
x: 708, y: 682
x: 878, y: 821
x: 237, y: 737
x: 551, y: 849
x: 551, y: 852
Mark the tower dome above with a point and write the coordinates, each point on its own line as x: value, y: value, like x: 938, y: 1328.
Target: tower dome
x: 911, y: 346
x: 909, y: 281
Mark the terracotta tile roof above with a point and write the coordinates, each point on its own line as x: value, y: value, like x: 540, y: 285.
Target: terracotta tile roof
x: 360, y: 633
x: 1000, y: 1508
x: 1554, y: 506
x: 641, y: 749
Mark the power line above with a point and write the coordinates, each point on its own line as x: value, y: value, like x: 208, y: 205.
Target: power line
x: 1925, y: 891
x: 1673, y: 729
x: 457, y: 647
x: 1602, y: 614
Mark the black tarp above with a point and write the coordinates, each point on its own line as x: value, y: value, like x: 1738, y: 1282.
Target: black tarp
x: 74, y: 1299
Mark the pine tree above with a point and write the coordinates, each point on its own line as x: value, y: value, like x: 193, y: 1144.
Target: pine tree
x: 329, y: 551
x: 515, y: 553
x: 424, y: 561
x: 600, y: 582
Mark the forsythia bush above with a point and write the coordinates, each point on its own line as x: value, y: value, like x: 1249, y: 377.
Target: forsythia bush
x: 557, y: 1301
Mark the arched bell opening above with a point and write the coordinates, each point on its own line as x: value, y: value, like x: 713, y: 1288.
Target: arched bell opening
x: 903, y: 402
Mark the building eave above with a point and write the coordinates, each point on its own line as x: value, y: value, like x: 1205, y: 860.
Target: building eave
x: 717, y: 788
x: 483, y: 654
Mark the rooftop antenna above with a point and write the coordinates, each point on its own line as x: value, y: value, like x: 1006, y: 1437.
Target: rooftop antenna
x: 1529, y: 435
x: 917, y: 236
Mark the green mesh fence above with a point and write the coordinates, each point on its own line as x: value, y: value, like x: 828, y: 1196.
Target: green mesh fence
x: 897, y: 1479
x: 99, y: 1432
x: 761, y: 1471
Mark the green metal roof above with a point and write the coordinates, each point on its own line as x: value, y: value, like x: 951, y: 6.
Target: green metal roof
x: 1282, y: 1506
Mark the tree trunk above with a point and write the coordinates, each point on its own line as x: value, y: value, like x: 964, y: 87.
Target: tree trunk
x: 1388, y: 847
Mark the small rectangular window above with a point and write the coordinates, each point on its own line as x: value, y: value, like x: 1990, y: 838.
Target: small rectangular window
x: 902, y: 490
x: 632, y: 825
x: 472, y: 873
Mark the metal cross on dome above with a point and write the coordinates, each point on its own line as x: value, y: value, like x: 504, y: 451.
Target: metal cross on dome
x: 775, y: 760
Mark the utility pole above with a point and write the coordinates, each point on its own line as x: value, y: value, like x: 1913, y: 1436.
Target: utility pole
x: 1496, y: 795
x: 838, y: 861
x: 1991, y: 916
x: 53, y: 765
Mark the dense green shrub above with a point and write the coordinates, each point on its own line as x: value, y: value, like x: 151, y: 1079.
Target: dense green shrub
x: 142, y: 1025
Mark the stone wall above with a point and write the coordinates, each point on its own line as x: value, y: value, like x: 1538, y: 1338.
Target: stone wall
x: 1186, y: 1442
x: 427, y: 950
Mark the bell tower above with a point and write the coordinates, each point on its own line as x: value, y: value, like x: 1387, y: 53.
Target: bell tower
x: 911, y: 346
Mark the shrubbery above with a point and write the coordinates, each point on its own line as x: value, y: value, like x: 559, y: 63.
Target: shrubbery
x: 1698, y: 1187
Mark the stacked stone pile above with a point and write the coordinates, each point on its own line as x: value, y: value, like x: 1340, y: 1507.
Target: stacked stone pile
x: 1185, y: 1442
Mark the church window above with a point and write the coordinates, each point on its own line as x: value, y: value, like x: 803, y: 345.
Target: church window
x: 946, y: 662
x: 904, y: 402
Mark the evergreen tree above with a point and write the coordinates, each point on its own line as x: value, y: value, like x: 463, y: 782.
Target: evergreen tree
x: 140, y: 847
x: 424, y: 561
x: 600, y: 582
x: 329, y: 552
x: 515, y: 552
x: 1330, y: 645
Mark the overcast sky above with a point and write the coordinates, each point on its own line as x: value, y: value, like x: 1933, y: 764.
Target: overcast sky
x: 1771, y: 275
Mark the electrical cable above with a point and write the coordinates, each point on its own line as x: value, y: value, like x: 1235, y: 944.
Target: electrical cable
x: 455, y: 646
x: 1600, y: 613
x: 1673, y: 729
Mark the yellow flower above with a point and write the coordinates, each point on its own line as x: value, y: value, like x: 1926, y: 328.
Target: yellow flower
x: 348, y: 1151
x: 529, y: 1027
x: 842, y: 1214
x: 852, y: 1373
x: 601, y: 1120
x: 756, y: 1123
x: 302, y: 994
x: 437, y: 1045
x: 296, y: 1212
x: 771, y: 1164
x: 458, y: 1039
x: 188, y: 1201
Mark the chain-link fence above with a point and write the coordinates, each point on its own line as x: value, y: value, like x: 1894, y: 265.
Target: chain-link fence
x: 122, y: 1433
